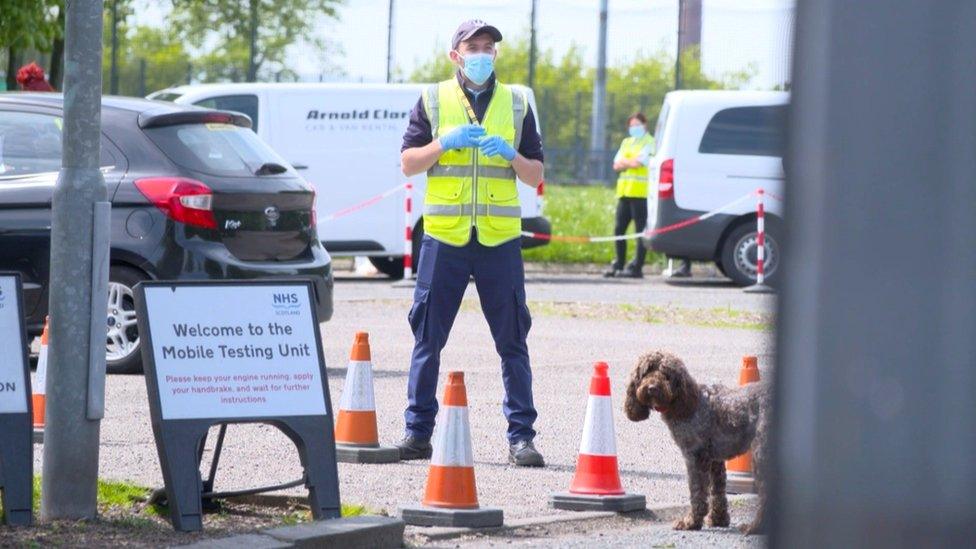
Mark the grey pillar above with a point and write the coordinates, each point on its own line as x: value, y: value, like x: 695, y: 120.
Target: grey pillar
x: 876, y: 423
x: 70, y: 438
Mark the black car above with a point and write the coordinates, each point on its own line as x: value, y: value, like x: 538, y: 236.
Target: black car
x: 195, y: 195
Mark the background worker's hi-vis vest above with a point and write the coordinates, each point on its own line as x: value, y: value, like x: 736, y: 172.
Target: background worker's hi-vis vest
x: 632, y: 182
x: 466, y: 188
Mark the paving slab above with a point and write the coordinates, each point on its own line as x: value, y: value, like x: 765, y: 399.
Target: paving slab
x: 363, y: 532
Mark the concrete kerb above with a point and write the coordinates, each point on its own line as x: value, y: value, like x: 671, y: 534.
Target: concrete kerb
x: 366, y: 532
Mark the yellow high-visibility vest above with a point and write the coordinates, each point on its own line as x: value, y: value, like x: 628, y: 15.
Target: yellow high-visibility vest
x: 465, y: 188
x: 632, y: 182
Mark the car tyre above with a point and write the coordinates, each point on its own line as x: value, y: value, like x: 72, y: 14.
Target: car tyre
x: 739, y: 255
x: 123, y: 351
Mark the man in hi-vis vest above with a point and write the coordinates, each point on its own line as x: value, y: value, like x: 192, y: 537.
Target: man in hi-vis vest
x: 472, y: 135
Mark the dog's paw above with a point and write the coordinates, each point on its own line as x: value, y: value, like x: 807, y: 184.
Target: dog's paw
x: 718, y: 520
x: 689, y: 522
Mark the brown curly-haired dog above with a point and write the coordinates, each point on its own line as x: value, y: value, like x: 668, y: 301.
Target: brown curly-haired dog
x: 709, y: 423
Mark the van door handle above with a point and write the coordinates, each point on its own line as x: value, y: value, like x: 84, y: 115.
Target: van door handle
x: 299, y: 166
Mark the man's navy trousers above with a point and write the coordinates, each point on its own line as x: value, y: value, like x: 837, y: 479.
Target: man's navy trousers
x: 442, y: 276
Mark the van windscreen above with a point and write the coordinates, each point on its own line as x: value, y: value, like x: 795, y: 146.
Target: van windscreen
x: 753, y: 131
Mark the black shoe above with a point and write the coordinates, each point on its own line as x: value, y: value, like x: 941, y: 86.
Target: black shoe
x: 524, y: 454
x: 414, y: 448
x: 611, y: 272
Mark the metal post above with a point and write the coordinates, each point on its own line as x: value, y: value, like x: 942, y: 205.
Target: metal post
x: 389, y: 44
x: 760, y: 286
x: 142, y: 78
x: 252, y: 63
x: 598, y: 125
x: 70, y: 470
x: 408, y: 233
x: 113, y: 86
x: 532, y: 44
x: 689, y: 35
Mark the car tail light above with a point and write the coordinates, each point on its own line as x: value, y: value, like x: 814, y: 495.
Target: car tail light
x: 184, y: 200
x: 665, y: 180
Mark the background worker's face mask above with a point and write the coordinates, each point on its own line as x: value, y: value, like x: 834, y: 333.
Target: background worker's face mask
x: 637, y: 131
x: 478, y: 67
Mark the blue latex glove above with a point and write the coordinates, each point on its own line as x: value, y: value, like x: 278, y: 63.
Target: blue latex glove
x: 496, y: 146
x: 462, y: 136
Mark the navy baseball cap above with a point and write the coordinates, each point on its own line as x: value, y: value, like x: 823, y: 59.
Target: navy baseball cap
x: 470, y: 28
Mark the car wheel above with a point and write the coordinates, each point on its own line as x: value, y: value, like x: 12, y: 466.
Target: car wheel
x: 721, y: 269
x: 393, y: 266
x: 122, y: 348
x: 739, y: 255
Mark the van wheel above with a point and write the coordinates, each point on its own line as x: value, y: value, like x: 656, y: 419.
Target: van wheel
x: 721, y: 269
x: 739, y: 255
x: 122, y: 347
x: 393, y: 266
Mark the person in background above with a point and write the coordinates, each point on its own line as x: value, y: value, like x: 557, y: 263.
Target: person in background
x: 631, y: 162
x: 30, y: 77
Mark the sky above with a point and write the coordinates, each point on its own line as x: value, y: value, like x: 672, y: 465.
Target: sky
x: 735, y: 34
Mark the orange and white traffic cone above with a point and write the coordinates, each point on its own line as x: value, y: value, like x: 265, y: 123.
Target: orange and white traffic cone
x: 739, y: 479
x: 596, y: 485
x: 38, y: 391
x: 451, y: 498
x: 356, y: 436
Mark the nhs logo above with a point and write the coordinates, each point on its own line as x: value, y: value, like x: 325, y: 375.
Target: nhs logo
x: 285, y: 303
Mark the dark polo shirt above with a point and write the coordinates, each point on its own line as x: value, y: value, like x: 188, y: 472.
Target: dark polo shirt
x: 419, y: 133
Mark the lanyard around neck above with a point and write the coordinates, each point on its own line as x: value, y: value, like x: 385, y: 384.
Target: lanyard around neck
x: 472, y: 117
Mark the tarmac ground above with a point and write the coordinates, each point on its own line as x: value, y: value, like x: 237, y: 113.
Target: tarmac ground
x: 578, y: 319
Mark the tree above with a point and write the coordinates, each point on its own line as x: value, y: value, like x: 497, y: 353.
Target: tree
x: 24, y: 25
x: 250, y: 36
x: 150, y: 59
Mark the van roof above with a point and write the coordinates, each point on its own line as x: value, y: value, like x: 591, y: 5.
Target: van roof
x: 727, y: 97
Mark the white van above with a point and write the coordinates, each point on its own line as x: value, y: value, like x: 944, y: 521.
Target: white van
x: 345, y: 140
x: 714, y: 147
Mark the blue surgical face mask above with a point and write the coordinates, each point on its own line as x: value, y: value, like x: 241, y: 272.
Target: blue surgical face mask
x: 637, y: 131
x: 478, y: 67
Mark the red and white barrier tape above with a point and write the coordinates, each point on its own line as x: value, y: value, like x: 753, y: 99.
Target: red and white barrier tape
x: 649, y: 232
x: 364, y: 204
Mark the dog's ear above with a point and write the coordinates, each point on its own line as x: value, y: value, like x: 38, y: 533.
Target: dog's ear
x: 684, y: 389
x: 632, y: 407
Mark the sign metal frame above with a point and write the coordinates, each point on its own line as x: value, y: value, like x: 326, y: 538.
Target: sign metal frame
x: 180, y: 441
x: 17, y: 434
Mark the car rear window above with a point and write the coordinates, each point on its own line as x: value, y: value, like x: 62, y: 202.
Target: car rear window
x: 755, y: 131
x: 216, y: 149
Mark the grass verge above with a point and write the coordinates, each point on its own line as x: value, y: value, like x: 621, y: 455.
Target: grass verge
x: 580, y: 211
x: 126, y: 518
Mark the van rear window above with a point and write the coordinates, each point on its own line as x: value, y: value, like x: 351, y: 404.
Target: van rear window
x: 215, y: 149
x: 754, y: 131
